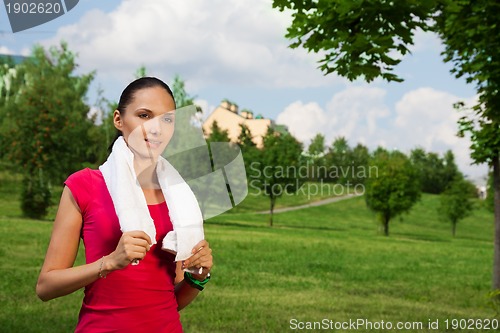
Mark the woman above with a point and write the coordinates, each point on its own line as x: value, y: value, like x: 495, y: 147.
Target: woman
x: 121, y: 295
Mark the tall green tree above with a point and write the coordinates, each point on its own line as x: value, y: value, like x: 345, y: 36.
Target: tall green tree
x: 245, y: 137
x: 395, y: 187
x: 455, y: 202
x: 490, y: 194
x: 360, y: 159
x: 248, y: 148
x: 48, y: 121
x: 476, y: 59
x: 358, y: 38
x: 367, y: 39
x: 217, y: 134
x: 339, y: 157
x: 181, y: 96
x: 431, y: 171
x: 276, y: 171
x: 314, y: 159
x: 435, y: 172
x: 451, y: 171
x: 317, y: 146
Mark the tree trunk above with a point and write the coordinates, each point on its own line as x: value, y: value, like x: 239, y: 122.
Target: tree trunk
x: 496, y: 198
x: 386, y: 225
x: 453, y: 228
x: 271, y: 209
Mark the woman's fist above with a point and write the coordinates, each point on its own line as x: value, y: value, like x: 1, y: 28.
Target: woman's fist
x: 133, y: 245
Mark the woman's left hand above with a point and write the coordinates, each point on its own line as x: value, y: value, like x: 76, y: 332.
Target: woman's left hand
x: 202, y: 257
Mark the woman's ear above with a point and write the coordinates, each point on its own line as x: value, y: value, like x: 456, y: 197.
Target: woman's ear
x: 117, y: 120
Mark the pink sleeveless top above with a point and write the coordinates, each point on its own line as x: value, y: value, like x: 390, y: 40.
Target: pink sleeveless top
x: 134, y: 299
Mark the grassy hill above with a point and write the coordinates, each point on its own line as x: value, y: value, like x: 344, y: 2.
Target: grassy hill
x: 322, y: 263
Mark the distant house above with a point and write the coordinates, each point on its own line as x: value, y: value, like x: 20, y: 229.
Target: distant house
x: 228, y: 118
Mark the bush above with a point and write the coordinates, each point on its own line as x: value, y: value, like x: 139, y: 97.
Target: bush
x: 35, y: 197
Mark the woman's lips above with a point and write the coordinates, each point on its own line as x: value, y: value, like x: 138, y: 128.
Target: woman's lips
x: 153, y: 143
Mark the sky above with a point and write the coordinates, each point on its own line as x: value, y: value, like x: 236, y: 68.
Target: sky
x: 236, y: 49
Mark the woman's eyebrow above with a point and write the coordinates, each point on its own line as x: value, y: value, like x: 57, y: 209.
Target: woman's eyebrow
x: 169, y: 113
x: 144, y: 109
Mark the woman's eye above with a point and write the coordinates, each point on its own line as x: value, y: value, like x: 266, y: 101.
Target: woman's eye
x: 144, y: 115
x: 168, y: 119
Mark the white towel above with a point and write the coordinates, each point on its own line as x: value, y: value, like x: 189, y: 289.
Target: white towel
x: 131, y: 207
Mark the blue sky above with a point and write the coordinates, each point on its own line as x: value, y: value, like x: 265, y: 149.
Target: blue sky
x: 235, y: 49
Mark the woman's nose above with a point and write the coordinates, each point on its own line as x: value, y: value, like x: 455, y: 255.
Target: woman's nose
x: 154, y: 126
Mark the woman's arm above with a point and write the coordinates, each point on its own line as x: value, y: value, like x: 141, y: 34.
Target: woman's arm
x: 202, y: 257
x: 184, y: 293
x: 58, y: 277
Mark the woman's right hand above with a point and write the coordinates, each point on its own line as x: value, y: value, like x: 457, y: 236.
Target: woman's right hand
x: 132, y: 245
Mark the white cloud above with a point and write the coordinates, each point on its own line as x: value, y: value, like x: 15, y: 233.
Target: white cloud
x: 424, y: 41
x: 426, y: 118
x: 355, y: 111
x: 26, y: 51
x: 228, y: 41
x: 423, y: 117
x: 352, y: 113
x: 304, y: 121
x: 6, y: 50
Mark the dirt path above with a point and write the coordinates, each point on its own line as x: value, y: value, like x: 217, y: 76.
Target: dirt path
x: 312, y: 204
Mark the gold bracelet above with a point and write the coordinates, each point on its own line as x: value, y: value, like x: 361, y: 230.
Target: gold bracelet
x: 101, y: 275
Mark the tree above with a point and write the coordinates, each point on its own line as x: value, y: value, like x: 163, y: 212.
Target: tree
x: 275, y: 172
x: 360, y: 159
x: 314, y: 159
x: 101, y: 134
x: 451, y: 171
x: 140, y: 72
x: 455, y: 202
x: 339, y: 157
x: 430, y: 168
x: 490, y: 195
x: 248, y: 148
x: 181, y: 96
x: 359, y: 38
x: 395, y: 188
x: 245, y: 137
x: 48, y: 121
x: 366, y: 38
x: 217, y: 134
x: 435, y: 173
x: 317, y: 146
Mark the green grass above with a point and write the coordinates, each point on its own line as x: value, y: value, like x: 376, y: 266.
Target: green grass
x: 326, y: 262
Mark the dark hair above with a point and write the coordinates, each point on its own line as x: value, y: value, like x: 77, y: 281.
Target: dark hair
x: 142, y: 83
x: 129, y: 92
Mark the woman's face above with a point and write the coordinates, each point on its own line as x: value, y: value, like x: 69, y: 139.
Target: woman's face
x: 148, y: 122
